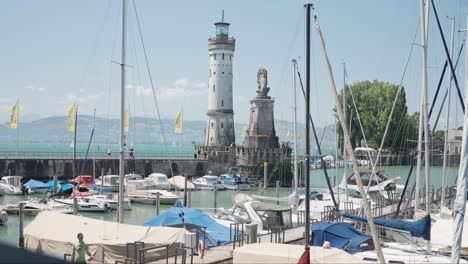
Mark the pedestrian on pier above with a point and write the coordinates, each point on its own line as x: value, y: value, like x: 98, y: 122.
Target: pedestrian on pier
x: 81, y: 249
x: 108, y: 152
x: 130, y: 153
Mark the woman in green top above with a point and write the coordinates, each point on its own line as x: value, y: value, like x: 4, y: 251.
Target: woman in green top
x: 81, y: 249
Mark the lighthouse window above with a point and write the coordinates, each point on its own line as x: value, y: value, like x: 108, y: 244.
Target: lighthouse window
x: 215, y: 56
x: 213, y: 87
x: 230, y: 57
x: 222, y: 126
x: 212, y: 124
x: 222, y: 104
x: 223, y: 56
x: 223, y: 72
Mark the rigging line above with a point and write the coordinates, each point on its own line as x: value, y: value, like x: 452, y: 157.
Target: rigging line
x: 443, y: 75
x: 454, y: 75
x: 324, y: 164
x: 400, y: 86
x: 152, y: 85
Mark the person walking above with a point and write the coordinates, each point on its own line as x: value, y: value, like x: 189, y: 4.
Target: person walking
x: 81, y: 249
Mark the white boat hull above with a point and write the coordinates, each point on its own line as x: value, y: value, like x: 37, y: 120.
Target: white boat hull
x: 240, y: 187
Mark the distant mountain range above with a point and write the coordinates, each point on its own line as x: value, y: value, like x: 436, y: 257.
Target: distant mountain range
x: 142, y: 131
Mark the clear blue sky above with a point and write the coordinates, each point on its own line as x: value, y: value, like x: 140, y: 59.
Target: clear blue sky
x: 55, y: 52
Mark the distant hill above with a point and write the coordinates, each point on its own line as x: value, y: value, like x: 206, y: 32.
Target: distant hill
x: 142, y: 131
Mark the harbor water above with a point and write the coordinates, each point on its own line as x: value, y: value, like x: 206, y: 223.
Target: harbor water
x: 204, y: 200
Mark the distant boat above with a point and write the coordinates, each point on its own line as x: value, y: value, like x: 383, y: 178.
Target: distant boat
x: 145, y: 192
x: 209, y: 182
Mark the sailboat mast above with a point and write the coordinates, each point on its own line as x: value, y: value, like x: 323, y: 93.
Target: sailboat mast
x: 307, y: 130
x: 459, y: 204
x: 296, y: 180
x: 344, y: 149
x: 444, y: 167
x: 94, y: 144
x: 122, y: 119
x: 17, y: 129
x: 349, y: 148
x: 74, y: 140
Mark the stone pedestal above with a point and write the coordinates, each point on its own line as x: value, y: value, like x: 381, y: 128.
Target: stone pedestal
x: 261, y: 132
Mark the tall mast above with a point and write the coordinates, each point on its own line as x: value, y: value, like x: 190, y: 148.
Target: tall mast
x: 17, y: 129
x: 94, y: 144
x: 296, y: 181
x: 347, y: 143
x: 459, y: 204
x: 444, y: 168
x: 122, y: 119
x: 307, y: 130
x: 74, y: 141
x: 344, y: 149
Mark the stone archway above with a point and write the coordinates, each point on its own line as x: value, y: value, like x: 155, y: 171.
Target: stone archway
x: 41, y: 170
x: 68, y: 170
x: 175, y: 168
x: 199, y: 169
x: 11, y: 169
x: 148, y: 169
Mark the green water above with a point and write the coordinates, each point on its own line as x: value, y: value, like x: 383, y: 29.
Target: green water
x: 204, y: 199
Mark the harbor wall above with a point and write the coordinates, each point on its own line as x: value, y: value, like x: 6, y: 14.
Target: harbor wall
x: 44, y: 169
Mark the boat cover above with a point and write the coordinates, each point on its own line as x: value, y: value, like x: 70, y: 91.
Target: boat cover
x: 340, y: 235
x: 106, y: 240
x: 419, y: 228
x: 179, y: 215
x: 51, y: 185
x: 260, y: 206
x: 286, y: 253
x: 33, y: 184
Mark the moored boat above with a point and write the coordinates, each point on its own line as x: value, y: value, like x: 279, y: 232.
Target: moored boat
x: 145, y: 192
x: 209, y: 182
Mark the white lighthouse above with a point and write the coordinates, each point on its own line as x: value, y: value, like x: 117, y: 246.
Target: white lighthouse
x: 220, y: 125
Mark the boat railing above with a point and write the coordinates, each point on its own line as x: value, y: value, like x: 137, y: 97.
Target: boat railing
x: 240, y: 239
x: 183, y: 252
x: 235, y: 228
x: 278, y: 232
x: 143, y: 251
x: 95, y: 155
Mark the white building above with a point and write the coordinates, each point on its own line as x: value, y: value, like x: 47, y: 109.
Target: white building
x: 220, y: 124
x: 454, y: 141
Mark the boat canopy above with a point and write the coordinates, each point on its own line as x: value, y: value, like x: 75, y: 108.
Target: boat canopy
x: 180, y: 215
x: 51, y: 185
x: 33, y: 184
x: 260, y: 206
x: 107, y: 241
x: 340, y: 235
x: 419, y: 228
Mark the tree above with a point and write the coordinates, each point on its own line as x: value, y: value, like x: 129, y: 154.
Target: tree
x: 438, y: 135
x: 374, y: 102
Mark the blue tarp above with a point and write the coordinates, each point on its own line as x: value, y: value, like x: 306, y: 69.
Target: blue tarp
x: 340, y: 235
x: 51, y: 185
x: 33, y: 184
x: 102, y: 189
x: 175, y: 215
x: 419, y: 228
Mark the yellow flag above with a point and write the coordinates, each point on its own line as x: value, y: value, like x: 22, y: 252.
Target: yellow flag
x: 244, y: 133
x: 71, y: 119
x: 126, y: 120
x: 287, y: 138
x: 178, y: 123
x: 276, y: 132
x: 299, y: 138
x: 14, y: 116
